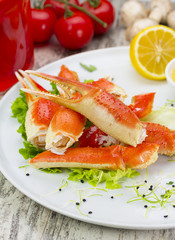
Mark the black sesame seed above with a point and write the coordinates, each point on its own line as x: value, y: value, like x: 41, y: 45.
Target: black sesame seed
x: 173, y: 206
x: 60, y: 189
x: 145, y: 206
x: 82, y: 181
x: 84, y: 200
x: 145, y: 181
x: 77, y: 203
x: 27, y: 174
x: 151, y: 188
x: 172, y: 105
x: 112, y: 197
x: 143, y: 195
x: 137, y: 187
x: 165, y: 216
x: 90, y: 212
x: 173, y: 185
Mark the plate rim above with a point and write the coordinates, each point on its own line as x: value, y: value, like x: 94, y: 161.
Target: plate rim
x: 62, y: 211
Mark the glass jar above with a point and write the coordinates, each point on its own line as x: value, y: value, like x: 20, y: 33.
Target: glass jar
x: 16, y: 44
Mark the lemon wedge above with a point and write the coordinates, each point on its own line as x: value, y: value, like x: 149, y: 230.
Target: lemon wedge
x: 151, y: 50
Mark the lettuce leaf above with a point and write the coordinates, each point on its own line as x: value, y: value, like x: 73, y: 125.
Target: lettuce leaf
x: 29, y: 150
x: 19, y: 107
x: 96, y: 176
x: 88, y: 81
x: 89, y: 68
x: 54, y: 89
x: 51, y: 170
x: 165, y: 116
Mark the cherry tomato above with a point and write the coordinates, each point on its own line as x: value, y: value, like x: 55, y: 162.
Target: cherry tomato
x: 74, y: 32
x: 43, y: 21
x: 58, y: 7
x: 105, y: 11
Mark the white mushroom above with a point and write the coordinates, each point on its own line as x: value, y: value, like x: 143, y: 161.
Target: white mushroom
x: 160, y: 9
x: 131, y: 11
x: 138, y: 26
x: 171, y: 19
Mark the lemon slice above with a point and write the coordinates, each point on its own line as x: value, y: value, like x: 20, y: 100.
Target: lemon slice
x: 151, y: 50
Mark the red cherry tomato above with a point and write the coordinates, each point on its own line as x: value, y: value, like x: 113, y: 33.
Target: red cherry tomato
x: 58, y: 7
x: 92, y: 137
x: 105, y: 11
x: 43, y: 21
x: 74, y: 32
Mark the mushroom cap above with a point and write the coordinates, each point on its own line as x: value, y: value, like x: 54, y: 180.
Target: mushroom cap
x: 131, y: 11
x: 138, y: 26
x: 171, y: 19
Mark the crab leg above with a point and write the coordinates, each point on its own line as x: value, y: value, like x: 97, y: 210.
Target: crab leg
x: 162, y: 136
x: 142, y: 104
x: 141, y: 156
x: 66, y: 126
x: 112, y: 157
x: 103, y: 109
x: 110, y: 87
x: 65, y: 129
x: 67, y: 73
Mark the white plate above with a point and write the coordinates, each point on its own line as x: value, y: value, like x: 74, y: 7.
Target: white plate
x: 105, y: 211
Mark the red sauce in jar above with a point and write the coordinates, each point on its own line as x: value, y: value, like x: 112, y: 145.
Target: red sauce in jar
x: 16, y: 44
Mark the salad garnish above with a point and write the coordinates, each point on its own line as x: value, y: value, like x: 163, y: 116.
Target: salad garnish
x: 89, y: 68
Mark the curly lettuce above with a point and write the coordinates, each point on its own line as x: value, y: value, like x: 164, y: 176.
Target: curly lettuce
x: 19, y: 109
x: 164, y: 116
x: 112, y: 179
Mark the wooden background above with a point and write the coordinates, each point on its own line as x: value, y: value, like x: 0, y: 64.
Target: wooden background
x: 23, y: 219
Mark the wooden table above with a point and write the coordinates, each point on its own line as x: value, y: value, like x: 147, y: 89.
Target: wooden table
x: 23, y: 219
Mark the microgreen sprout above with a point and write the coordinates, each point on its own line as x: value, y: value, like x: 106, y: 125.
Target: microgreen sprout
x: 64, y: 184
x: 25, y: 167
x: 170, y: 183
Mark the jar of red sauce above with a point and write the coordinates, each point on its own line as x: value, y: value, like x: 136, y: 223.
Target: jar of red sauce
x: 16, y: 45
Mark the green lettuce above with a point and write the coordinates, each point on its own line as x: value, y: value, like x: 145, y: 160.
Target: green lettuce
x: 89, y: 68
x: 88, y: 81
x: 19, y: 109
x: 95, y: 176
x: 54, y: 89
x: 51, y: 170
x: 29, y: 150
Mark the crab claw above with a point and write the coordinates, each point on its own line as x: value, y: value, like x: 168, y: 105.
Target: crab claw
x: 40, y: 111
x: 103, y: 109
x: 26, y: 82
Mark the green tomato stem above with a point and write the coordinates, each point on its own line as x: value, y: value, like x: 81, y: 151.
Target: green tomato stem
x: 84, y: 10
